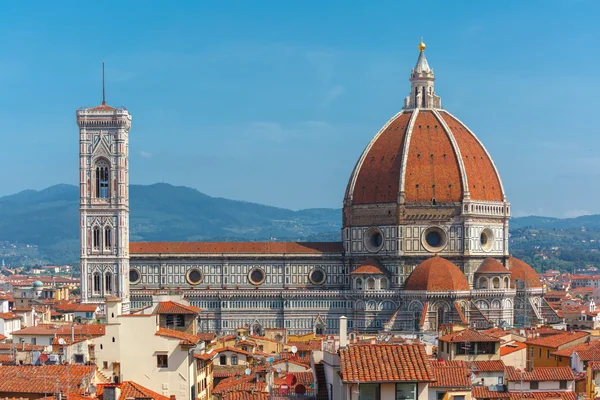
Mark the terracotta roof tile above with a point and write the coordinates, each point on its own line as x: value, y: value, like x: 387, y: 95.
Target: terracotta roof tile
x: 378, y: 179
x: 243, y: 395
x: 468, y: 335
x: 171, y: 307
x: 236, y: 247
x: 557, y: 340
x: 483, y: 392
x: 7, y: 359
x: 491, y: 266
x: 102, y: 107
x: 432, y: 169
x: 488, y: 366
x: 34, y: 379
x: 9, y: 316
x: 523, y: 272
x: 21, y: 347
x: 484, y: 183
x: 511, y: 348
x: 233, y: 349
x: 451, y: 377
x: 436, y: 273
x: 385, y: 363
x: 369, y: 266
x: 185, y: 338
x: 131, y: 390
x: 542, y: 374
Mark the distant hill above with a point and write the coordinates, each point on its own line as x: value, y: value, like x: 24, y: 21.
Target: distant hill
x: 41, y: 227
x: 161, y: 212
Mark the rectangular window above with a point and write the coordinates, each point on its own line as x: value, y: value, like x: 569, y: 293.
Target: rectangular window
x: 105, y: 364
x: 534, y: 385
x: 181, y: 320
x: 234, y: 360
x: 532, y: 352
x: 170, y: 320
x: 540, y: 353
x: 406, y: 391
x: 548, y: 354
x: 223, y: 360
x: 563, y: 385
x: 162, y: 361
x: 458, y: 398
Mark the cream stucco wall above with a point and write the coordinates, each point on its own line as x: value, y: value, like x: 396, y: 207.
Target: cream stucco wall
x: 135, y: 349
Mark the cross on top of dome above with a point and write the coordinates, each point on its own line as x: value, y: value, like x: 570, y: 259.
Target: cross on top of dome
x: 421, y: 77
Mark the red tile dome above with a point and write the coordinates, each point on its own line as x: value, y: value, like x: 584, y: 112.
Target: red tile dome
x: 437, y: 273
x: 420, y: 155
x: 491, y: 266
x: 523, y: 272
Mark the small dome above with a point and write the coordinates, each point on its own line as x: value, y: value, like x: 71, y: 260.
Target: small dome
x: 437, y: 273
x: 38, y: 284
x: 523, y: 272
x: 370, y: 266
x: 491, y: 266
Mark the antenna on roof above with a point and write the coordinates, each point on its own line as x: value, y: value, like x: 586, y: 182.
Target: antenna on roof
x: 103, y: 92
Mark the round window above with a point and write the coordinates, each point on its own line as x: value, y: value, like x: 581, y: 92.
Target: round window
x: 194, y: 276
x: 373, y: 239
x: 434, y: 239
x: 256, y: 276
x: 134, y: 275
x: 486, y: 239
x: 317, y: 276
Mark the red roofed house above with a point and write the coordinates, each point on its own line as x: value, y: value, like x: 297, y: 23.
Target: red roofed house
x: 9, y: 323
x: 385, y: 371
x: 468, y: 345
x: 543, y: 379
x: 163, y: 359
x: 540, y: 350
x: 86, y: 312
x: 453, y: 381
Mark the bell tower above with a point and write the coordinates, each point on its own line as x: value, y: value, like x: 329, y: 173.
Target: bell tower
x: 104, y: 202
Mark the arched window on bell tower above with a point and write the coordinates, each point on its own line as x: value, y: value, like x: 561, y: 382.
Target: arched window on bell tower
x: 97, y: 282
x: 102, y: 180
x: 96, y: 238
x: 108, y: 283
x: 108, y: 237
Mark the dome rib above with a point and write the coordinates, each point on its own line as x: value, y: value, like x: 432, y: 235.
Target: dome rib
x: 432, y: 168
x: 522, y: 271
x: 437, y: 274
x: 474, y: 168
x: 491, y: 266
x: 382, y: 151
x: 461, y: 164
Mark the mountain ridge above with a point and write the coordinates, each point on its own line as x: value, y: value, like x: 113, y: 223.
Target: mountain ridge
x: 47, y: 221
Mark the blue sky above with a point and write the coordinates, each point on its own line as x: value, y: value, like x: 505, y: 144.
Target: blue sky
x: 273, y: 102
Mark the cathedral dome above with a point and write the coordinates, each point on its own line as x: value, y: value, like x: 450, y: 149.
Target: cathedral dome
x: 437, y: 274
x: 491, y: 266
x: 424, y: 154
x: 523, y: 272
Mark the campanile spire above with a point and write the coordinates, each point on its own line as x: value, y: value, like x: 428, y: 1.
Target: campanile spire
x: 422, y: 94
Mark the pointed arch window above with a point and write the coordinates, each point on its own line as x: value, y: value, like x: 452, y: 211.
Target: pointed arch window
x: 102, y: 180
x: 96, y: 238
x: 97, y: 282
x: 108, y: 282
x: 108, y: 237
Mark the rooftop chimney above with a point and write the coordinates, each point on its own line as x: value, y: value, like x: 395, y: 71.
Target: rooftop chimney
x: 343, y: 332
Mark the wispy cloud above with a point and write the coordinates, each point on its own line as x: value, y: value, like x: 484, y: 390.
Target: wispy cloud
x: 332, y: 94
x: 145, y: 154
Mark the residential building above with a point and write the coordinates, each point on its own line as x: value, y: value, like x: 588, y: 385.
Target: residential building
x: 541, y: 379
x: 540, y: 351
x: 468, y: 345
x: 366, y: 373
